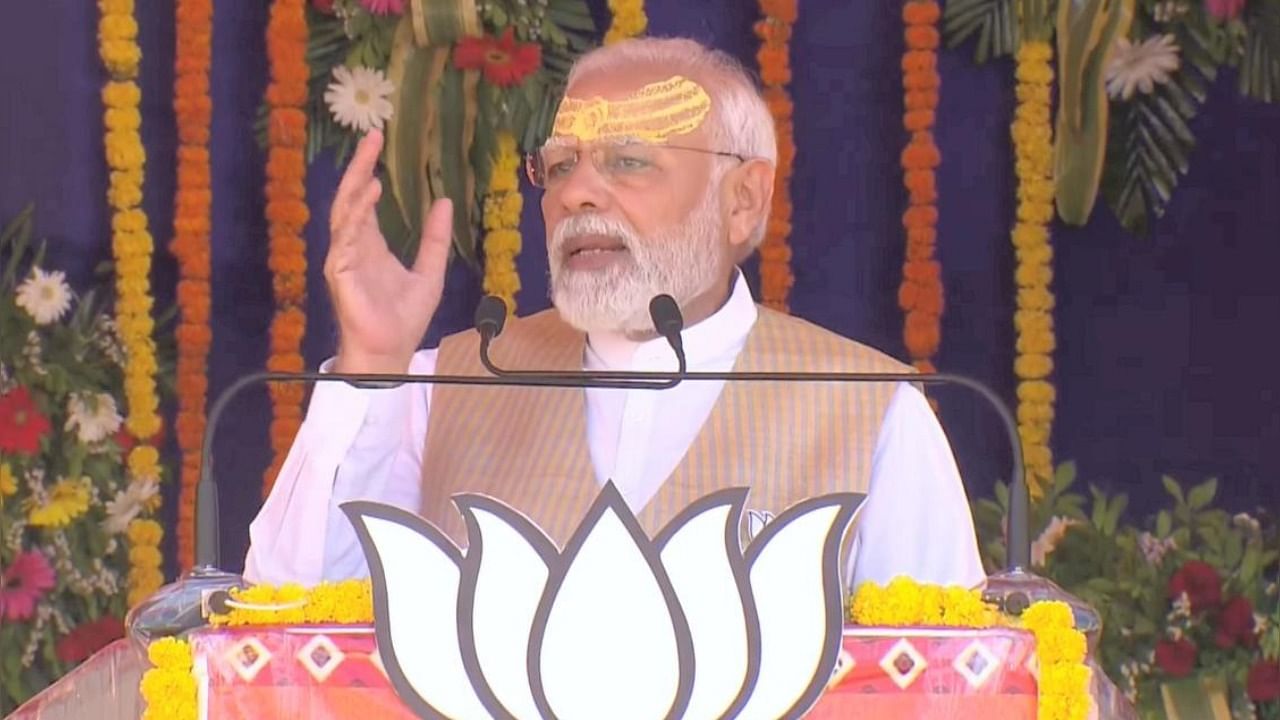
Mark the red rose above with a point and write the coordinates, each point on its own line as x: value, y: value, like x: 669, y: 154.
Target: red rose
x: 1176, y: 657
x: 89, y: 638
x: 1235, y: 625
x: 21, y: 423
x: 324, y: 6
x: 1263, y: 684
x: 1200, y: 581
x: 1224, y: 10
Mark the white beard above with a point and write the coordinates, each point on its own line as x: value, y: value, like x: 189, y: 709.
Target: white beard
x: 682, y: 261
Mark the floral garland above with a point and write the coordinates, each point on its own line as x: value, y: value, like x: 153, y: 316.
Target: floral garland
x: 169, y: 687
x: 347, y: 602
x: 502, y: 206
x: 287, y: 215
x: 920, y: 295
x: 190, y: 245
x: 1063, y: 685
x: 629, y: 20
x: 774, y: 31
x: 1033, y: 152
x: 132, y: 246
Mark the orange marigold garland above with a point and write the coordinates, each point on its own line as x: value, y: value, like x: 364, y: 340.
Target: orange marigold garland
x: 774, y: 31
x: 287, y: 215
x: 190, y: 245
x: 921, y: 295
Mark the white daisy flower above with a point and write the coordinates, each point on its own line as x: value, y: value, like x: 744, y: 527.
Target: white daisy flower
x: 128, y: 503
x: 358, y: 98
x: 45, y: 296
x: 1142, y: 66
x: 94, y: 416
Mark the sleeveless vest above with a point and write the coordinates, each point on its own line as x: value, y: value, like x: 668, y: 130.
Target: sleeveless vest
x: 528, y: 446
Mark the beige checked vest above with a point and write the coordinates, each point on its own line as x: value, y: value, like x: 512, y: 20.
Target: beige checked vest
x: 528, y: 446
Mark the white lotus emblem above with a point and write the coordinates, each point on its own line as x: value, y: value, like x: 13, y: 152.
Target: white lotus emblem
x: 686, y: 625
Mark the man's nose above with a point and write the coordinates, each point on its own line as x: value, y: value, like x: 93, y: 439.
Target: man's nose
x: 584, y: 187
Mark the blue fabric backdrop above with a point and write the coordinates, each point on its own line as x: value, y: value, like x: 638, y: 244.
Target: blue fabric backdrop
x: 1164, y: 343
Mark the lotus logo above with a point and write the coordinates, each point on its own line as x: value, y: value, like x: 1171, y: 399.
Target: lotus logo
x: 617, y: 625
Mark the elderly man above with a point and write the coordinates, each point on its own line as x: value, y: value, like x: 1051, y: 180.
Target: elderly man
x: 657, y: 179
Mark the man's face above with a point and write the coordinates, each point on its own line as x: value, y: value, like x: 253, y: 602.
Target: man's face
x: 632, y: 217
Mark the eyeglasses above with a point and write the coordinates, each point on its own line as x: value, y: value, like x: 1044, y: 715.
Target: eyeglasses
x: 626, y: 164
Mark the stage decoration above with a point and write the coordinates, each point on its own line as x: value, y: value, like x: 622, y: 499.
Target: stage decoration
x: 1134, y: 75
x: 348, y: 602
x: 502, y: 206
x: 629, y: 20
x: 169, y: 687
x: 446, y: 79
x: 1187, y: 592
x: 774, y: 58
x: 190, y: 247
x: 921, y: 293
x: 67, y: 492
x: 287, y: 216
x: 1063, y: 679
x: 132, y: 248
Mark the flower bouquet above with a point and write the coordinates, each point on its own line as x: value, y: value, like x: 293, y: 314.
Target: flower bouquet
x: 445, y: 80
x: 76, y: 539
x: 1188, y: 596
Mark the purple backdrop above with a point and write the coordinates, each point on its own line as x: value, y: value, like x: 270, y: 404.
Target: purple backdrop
x: 1164, y: 342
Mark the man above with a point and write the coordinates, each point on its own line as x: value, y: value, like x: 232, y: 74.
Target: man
x: 657, y: 179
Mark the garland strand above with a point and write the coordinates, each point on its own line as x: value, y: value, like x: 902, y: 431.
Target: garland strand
x: 190, y: 245
x: 287, y: 215
x: 629, y: 20
x: 132, y: 246
x: 1061, y: 649
x: 169, y: 688
x: 1033, y: 151
x: 502, y: 206
x: 774, y: 31
x: 921, y: 295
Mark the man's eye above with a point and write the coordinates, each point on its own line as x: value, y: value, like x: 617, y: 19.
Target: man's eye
x: 556, y: 168
x: 629, y: 163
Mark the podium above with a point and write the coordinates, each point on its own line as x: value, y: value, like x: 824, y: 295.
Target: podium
x: 324, y: 672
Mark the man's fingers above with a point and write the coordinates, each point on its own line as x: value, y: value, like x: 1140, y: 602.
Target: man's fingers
x: 358, y: 173
x: 360, y: 224
x: 437, y: 235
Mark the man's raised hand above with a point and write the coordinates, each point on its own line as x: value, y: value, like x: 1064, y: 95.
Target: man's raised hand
x: 383, y: 308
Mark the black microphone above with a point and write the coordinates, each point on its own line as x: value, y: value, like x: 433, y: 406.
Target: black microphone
x: 491, y: 317
x: 669, y: 322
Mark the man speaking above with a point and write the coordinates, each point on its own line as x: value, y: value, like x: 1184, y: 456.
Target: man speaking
x: 656, y: 179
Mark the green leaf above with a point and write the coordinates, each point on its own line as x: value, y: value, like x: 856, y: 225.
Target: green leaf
x: 1260, y: 70
x: 993, y: 22
x: 1173, y: 488
x: 1201, y: 495
x: 573, y: 21
x: 1164, y: 524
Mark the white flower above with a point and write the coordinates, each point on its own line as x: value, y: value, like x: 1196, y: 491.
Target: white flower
x: 358, y: 98
x: 1154, y: 549
x: 93, y: 416
x: 1181, y: 607
x: 1142, y: 66
x: 1049, y: 539
x: 686, y: 625
x: 1248, y: 523
x: 128, y: 503
x: 45, y: 296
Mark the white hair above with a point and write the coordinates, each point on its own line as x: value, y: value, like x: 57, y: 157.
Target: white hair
x: 740, y: 120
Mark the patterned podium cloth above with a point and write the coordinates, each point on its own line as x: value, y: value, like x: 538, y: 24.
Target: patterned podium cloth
x: 336, y: 672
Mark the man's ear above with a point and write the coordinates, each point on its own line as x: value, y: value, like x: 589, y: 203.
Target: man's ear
x: 748, y: 191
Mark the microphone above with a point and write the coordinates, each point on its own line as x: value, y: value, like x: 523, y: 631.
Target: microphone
x: 491, y: 317
x: 669, y: 322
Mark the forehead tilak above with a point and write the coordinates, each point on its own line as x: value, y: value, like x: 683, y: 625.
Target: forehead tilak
x: 653, y: 113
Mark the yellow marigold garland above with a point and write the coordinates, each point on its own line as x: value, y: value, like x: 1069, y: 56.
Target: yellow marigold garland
x: 629, y: 20
x: 132, y: 246
x: 145, y: 558
x: 502, y: 206
x: 169, y: 687
x: 287, y: 215
x: 1064, y: 677
x: 920, y: 295
x: 774, y: 31
x: 190, y: 245
x: 1033, y: 151
x: 347, y: 602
